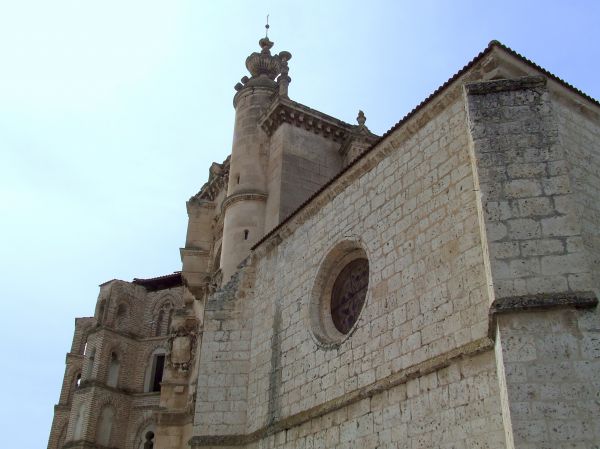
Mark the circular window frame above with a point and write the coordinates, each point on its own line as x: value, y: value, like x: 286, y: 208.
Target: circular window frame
x: 322, y: 326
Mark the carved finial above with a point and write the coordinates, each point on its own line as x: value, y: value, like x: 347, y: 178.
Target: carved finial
x: 361, y: 119
x: 267, y: 27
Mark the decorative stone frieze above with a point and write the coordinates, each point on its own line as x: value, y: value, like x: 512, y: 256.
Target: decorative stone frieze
x: 287, y: 111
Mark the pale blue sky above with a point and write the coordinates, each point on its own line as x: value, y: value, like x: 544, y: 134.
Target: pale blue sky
x: 112, y: 111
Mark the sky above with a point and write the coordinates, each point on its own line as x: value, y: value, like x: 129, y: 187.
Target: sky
x: 111, y: 113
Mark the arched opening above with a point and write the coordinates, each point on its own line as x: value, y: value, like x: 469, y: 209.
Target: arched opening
x: 145, y: 437
x: 121, y: 319
x: 163, y: 320
x: 246, y: 234
x: 149, y: 440
x: 105, y: 426
x: 155, y: 371
x: 113, y: 370
x: 90, y: 364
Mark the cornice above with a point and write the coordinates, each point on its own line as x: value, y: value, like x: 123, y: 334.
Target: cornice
x: 194, y: 252
x: 283, y: 110
x: 544, y: 301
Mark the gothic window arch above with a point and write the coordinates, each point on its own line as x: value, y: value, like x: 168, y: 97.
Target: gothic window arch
x: 122, y: 317
x: 74, y: 383
x: 83, y: 343
x: 90, y: 363
x: 162, y: 320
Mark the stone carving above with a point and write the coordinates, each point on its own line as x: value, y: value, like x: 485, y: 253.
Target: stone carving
x: 182, y: 342
x: 217, y: 180
x: 265, y: 67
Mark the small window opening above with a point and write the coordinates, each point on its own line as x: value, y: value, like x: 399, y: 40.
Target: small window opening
x: 78, y: 380
x: 149, y: 443
x: 246, y: 233
x: 121, y: 318
x: 238, y: 179
x: 113, y: 370
x: 90, y: 366
x: 159, y: 367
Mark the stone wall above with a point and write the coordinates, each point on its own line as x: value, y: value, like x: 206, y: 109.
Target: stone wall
x: 579, y: 132
x: 309, y: 161
x: 532, y: 226
x: 412, y: 209
x: 552, y: 361
x: 221, y: 395
x: 539, y: 199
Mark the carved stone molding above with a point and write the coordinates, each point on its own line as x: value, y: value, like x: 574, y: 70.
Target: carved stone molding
x: 287, y: 111
x: 242, y: 196
x: 218, y: 176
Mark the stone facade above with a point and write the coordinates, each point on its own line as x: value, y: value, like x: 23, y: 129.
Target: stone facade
x: 479, y: 217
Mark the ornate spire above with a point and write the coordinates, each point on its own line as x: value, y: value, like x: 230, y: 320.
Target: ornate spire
x: 265, y: 67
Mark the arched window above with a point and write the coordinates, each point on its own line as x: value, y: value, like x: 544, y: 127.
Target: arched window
x: 149, y: 440
x: 121, y: 319
x: 154, y: 371
x: 163, y: 320
x: 105, y: 426
x: 145, y: 437
x: 113, y: 370
x: 90, y: 364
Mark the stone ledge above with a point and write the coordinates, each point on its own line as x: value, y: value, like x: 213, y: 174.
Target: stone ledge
x: 393, y: 380
x: 503, y: 85
x: 164, y: 418
x: 544, y: 301
x: 242, y: 196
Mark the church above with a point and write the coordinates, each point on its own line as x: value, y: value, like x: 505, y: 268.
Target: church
x: 433, y: 287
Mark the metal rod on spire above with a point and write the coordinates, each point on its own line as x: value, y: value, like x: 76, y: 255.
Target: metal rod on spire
x: 267, y: 27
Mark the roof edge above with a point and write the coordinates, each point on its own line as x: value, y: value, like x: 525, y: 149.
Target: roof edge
x: 491, y: 45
